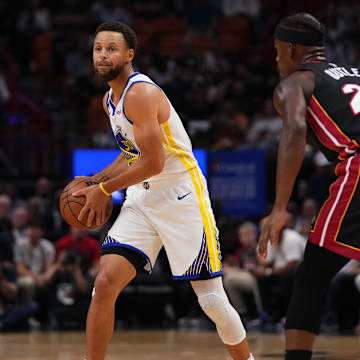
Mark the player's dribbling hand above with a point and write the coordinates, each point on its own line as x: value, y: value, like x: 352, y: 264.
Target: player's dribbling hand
x: 95, y: 205
x: 270, y: 230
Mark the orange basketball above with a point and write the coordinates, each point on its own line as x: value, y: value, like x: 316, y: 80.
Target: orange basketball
x: 70, y: 206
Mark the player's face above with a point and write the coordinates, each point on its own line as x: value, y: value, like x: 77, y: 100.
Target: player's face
x: 284, y: 58
x: 110, y: 55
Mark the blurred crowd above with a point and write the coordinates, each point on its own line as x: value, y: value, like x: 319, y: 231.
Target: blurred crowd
x: 47, y: 270
x: 215, y: 61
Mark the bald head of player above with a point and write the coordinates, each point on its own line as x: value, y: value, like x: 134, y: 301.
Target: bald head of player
x: 113, y: 50
x: 298, y: 38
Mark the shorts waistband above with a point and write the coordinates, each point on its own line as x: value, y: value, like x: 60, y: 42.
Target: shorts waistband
x: 162, y: 183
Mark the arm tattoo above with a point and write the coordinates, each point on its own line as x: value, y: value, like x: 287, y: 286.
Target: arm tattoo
x: 101, y: 176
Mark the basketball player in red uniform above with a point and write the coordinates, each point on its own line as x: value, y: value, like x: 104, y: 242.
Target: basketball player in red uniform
x: 324, y: 99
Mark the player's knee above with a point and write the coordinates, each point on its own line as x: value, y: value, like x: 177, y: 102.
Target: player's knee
x: 227, y: 320
x: 215, y: 308
x: 106, y: 287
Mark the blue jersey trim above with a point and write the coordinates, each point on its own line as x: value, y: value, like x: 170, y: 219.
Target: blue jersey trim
x: 112, y: 107
x: 135, y: 82
x: 109, y: 102
x: 134, y: 74
x: 194, y: 277
x: 113, y: 242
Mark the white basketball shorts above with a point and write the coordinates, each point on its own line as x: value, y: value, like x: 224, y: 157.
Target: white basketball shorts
x: 174, y: 213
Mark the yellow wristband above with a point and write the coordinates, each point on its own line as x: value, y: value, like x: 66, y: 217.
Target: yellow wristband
x: 103, y: 190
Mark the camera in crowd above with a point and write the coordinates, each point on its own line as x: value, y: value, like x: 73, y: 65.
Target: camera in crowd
x: 72, y: 257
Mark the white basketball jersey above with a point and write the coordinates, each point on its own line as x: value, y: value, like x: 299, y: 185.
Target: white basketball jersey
x: 177, y: 145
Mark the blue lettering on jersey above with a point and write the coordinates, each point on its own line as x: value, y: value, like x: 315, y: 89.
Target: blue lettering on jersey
x: 131, y: 153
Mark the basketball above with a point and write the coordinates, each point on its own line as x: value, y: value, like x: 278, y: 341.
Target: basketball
x: 70, y: 206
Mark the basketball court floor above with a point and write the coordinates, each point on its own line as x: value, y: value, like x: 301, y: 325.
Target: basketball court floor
x: 163, y: 345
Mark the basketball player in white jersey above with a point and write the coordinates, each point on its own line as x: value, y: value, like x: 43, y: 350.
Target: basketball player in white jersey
x: 167, y: 202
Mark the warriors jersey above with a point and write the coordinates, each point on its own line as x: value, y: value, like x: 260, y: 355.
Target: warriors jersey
x: 334, y: 109
x: 177, y: 145
x: 171, y: 209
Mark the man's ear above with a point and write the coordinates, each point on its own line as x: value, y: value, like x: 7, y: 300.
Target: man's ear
x: 291, y: 49
x: 131, y: 54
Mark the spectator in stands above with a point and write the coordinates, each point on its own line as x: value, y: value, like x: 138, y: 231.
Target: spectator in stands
x: 33, y: 208
x: 6, y: 236
x: 264, y: 131
x: 344, y: 299
x: 239, y: 281
x: 13, y: 314
x: 201, y: 16
x: 5, y: 209
x: 34, y: 257
x: 309, y: 209
x: 245, y: 7
x: 231, y: 134
x: 6, y: 249
x: 149, y: 9
x: 10, y: 189
x: 34, y: 18
x: 276, y: 273
x: 71, y: 15
x: 110, y: 10
x: 19, y: 220
x: 321, y: 178
x: 48, y: 209
x: 71, y: 285
x: 87, y: 246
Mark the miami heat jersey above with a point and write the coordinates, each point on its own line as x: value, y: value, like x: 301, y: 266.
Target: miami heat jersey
x: 179, y: 157
x: 334, y: 109
x: 333, y: 114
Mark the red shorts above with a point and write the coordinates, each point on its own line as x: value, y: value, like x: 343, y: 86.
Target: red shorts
x: 337, y: 226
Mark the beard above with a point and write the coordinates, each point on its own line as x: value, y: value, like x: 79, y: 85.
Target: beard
x: 112, y: 74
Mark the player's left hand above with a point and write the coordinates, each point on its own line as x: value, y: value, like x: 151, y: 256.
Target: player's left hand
x: 270, y: 230
x: 95, y: 205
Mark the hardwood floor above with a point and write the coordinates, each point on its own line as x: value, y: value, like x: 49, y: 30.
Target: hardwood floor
x: 163, y: 345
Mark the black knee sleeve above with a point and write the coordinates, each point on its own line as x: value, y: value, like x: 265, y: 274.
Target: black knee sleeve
x: 311, y: 285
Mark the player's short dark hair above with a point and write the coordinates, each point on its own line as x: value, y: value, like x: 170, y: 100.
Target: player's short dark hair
x: 117, y: 26
x: 303, y: 27
x: 303, y: 21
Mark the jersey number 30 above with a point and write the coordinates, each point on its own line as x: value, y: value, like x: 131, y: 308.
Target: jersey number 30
x: 355, y: 100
